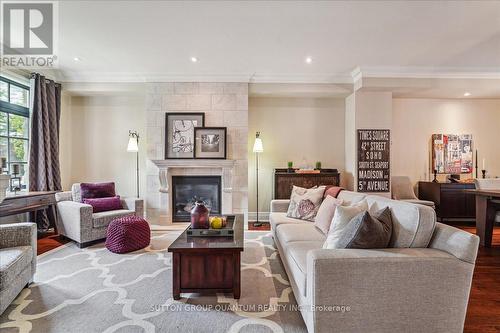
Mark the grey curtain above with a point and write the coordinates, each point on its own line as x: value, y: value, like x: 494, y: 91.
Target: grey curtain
x: 44, y: 172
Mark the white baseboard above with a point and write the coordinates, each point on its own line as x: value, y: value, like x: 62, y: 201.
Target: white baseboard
x: 263, y: 216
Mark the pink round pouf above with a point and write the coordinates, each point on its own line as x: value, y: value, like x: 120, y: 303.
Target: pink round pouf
x: 127, y: 234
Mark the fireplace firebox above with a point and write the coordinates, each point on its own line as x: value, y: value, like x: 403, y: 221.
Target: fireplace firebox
x: 186, y: 190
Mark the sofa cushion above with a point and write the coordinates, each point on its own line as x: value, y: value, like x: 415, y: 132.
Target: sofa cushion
x: 14, y: 261
x: 296, y: 256
x: 343, y: 215
x: 351, y: 198
x: 298, y: 232
x: 276, y: 219
x: 326, y: 212
x: 102, y: 219
x: 365, y: 231
x: 412, y: 225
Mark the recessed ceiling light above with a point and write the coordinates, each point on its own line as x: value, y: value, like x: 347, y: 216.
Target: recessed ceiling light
x: 309, y: 60
x: 76, y: 59
x: 194, y: 59
x: 467, y: 94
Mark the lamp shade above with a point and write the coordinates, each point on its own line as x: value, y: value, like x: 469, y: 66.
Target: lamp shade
x: 257, y: 146
x: 132, y: 145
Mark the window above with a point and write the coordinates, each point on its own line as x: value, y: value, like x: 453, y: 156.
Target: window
x: 14, y: 126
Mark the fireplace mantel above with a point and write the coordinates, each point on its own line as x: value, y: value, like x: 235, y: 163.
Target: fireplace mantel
x: 225, y: 167
x: 194, y: 163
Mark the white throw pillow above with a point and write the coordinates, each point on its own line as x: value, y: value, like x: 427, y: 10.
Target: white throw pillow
x: 343, y: 214
x: 326, y: 212
x: 304, y: 203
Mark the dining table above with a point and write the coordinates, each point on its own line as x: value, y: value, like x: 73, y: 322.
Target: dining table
x: 487, y: 206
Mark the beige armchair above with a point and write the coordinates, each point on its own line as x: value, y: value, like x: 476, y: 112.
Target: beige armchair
x: 402, y: 189
x: 78, y: 222
x: 489, y: 184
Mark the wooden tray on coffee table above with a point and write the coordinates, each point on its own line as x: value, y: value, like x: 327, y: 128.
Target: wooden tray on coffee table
x: 227, y: 231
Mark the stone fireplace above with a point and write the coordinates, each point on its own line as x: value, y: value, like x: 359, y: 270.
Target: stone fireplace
x: 170, y: 170
x: 187, y: 190
x: 224, y: 105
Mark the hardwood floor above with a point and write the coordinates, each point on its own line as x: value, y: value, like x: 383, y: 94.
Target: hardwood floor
x: 483, y: 313
x: 48, y: 241
x: 264, y: 227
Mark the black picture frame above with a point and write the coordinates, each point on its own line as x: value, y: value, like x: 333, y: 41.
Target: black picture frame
x: 169, y: 154
x: 209, y: 155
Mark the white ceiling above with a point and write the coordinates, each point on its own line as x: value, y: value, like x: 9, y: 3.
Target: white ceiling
x: 261, y: 41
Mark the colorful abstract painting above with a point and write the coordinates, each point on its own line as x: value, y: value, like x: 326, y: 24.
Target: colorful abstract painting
x: 451, y: 153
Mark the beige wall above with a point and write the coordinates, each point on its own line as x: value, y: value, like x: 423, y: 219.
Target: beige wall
x: 293, y: 129
x: 364, y: 110
x: 415, y: 120
x: 94, y: 137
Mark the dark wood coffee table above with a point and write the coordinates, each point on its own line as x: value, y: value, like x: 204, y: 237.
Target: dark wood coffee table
x: 201, y: 264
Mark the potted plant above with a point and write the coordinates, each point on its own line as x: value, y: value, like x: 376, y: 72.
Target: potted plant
x: 318, y: 165
x: 290, y: 167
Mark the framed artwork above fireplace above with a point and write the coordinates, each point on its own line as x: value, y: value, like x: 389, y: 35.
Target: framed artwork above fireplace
x: 210, y: 142
x: 179, y: 133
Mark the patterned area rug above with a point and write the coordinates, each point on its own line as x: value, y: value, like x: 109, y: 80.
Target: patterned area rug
x: 94, y: 290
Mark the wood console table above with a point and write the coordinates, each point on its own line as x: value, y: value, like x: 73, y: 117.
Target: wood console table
x: 284, y: 181
x: 29, y: 202
x: 450, y: 199
x: 487, y: 204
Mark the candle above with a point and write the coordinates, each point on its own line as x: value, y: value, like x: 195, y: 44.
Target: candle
x: 15, y: 169
x: 484, y: 164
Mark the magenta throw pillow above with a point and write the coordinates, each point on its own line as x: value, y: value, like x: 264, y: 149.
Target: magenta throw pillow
x: 97, y: 190
x: 104, y: 204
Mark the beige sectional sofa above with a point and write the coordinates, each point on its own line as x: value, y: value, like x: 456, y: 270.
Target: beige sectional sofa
x: 420, y: 284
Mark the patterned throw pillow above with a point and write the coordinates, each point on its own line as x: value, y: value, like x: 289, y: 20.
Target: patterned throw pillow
x: 304, y: 203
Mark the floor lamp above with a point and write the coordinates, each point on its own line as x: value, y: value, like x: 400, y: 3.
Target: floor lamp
x: 257, y: 149
x: 133, y: 147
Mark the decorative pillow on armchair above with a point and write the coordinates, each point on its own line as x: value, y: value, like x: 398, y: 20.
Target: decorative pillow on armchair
x: 104, y: 204
x: 97, y: 190
x: 304, y: 203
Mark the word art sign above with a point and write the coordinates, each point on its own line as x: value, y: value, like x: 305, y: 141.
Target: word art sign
x: 373, y: 160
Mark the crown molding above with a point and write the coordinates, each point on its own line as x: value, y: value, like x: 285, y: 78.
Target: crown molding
x: 337, y: 78
x: 354, y: 77
x: 129, y: 77
x: 424, y: 73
